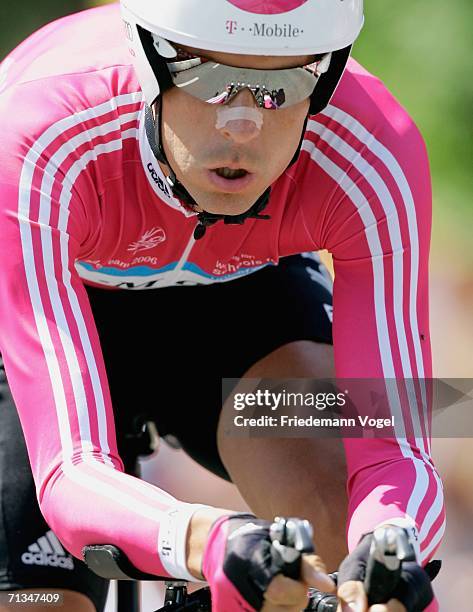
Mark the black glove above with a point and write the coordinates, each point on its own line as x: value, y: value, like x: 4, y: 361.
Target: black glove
x: 412, y: 586
x: 241, y: 546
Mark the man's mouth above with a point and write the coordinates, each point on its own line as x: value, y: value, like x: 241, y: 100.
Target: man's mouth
x: 231, y: 173
x: 230, y: 180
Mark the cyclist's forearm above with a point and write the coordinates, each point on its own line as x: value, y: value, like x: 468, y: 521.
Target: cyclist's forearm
x: 197, y: 534
x: 391, y: 493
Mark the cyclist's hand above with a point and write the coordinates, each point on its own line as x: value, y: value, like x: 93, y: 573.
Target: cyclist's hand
x: 353, y: 599
x: 412, y: 594
x: 285, y: 594
x: 244, y: 569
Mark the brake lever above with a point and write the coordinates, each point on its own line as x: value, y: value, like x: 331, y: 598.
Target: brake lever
x: 390, y: 548
x: 292, y: 537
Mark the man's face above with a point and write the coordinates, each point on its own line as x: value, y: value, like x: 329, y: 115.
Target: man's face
x: 200, y: 142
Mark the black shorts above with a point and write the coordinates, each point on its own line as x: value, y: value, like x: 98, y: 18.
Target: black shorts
x: 165, y: 351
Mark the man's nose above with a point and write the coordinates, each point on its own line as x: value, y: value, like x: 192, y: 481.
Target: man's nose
x: 239, y: 125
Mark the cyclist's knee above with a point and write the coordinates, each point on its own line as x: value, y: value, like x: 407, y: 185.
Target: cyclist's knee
x: 73, y: 600
x: 300, y: 358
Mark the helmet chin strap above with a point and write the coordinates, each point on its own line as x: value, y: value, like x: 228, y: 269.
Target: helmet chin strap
x: 206, y: 219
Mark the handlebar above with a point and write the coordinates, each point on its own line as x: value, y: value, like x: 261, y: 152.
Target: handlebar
x: 389, y: 549
x: 109, y: 562
x: 323, y: 602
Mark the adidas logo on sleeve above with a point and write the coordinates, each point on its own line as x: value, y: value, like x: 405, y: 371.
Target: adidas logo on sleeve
x: 47, y: 550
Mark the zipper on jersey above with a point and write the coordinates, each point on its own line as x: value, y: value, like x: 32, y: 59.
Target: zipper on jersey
x: 184, y: 257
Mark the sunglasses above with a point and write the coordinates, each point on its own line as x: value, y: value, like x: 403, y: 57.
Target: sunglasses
x: 218, y: 83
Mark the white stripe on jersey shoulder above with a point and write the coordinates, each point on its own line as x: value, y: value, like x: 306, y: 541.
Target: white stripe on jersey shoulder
x: 353, y: 125
x: 381, y: 151
x: 52, y: 359
x: 26, y: 181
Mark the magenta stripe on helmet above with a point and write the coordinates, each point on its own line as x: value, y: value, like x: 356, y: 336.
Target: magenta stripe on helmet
x: 267, y: 7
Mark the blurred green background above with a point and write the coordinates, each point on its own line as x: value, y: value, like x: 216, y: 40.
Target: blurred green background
x: 423, y: 51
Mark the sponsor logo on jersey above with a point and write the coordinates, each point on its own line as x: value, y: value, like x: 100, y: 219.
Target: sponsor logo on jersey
x: 240, y: 262
x: 142, y: 259
x: 94, y: 262
x: 148, y: 240
x: 48, y: 550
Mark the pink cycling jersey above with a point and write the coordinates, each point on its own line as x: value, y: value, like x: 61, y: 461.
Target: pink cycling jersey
x: 82, y: 200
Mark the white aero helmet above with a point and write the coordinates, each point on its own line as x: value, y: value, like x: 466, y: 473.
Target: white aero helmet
x: 251, y: 27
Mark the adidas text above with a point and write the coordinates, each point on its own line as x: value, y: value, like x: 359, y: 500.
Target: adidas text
x: 42, y: 558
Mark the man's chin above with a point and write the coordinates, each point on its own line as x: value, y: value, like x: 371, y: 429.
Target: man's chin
x: 224, y: 205
x: 226, y: 210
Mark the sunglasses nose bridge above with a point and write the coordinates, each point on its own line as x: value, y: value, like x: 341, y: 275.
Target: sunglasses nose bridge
x: 245, y: 94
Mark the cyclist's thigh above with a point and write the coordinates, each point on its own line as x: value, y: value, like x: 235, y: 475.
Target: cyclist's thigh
x: 31, y: 556
x: 280, y: 316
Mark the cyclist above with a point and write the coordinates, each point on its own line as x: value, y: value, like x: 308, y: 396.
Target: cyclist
x: 236, y: 139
